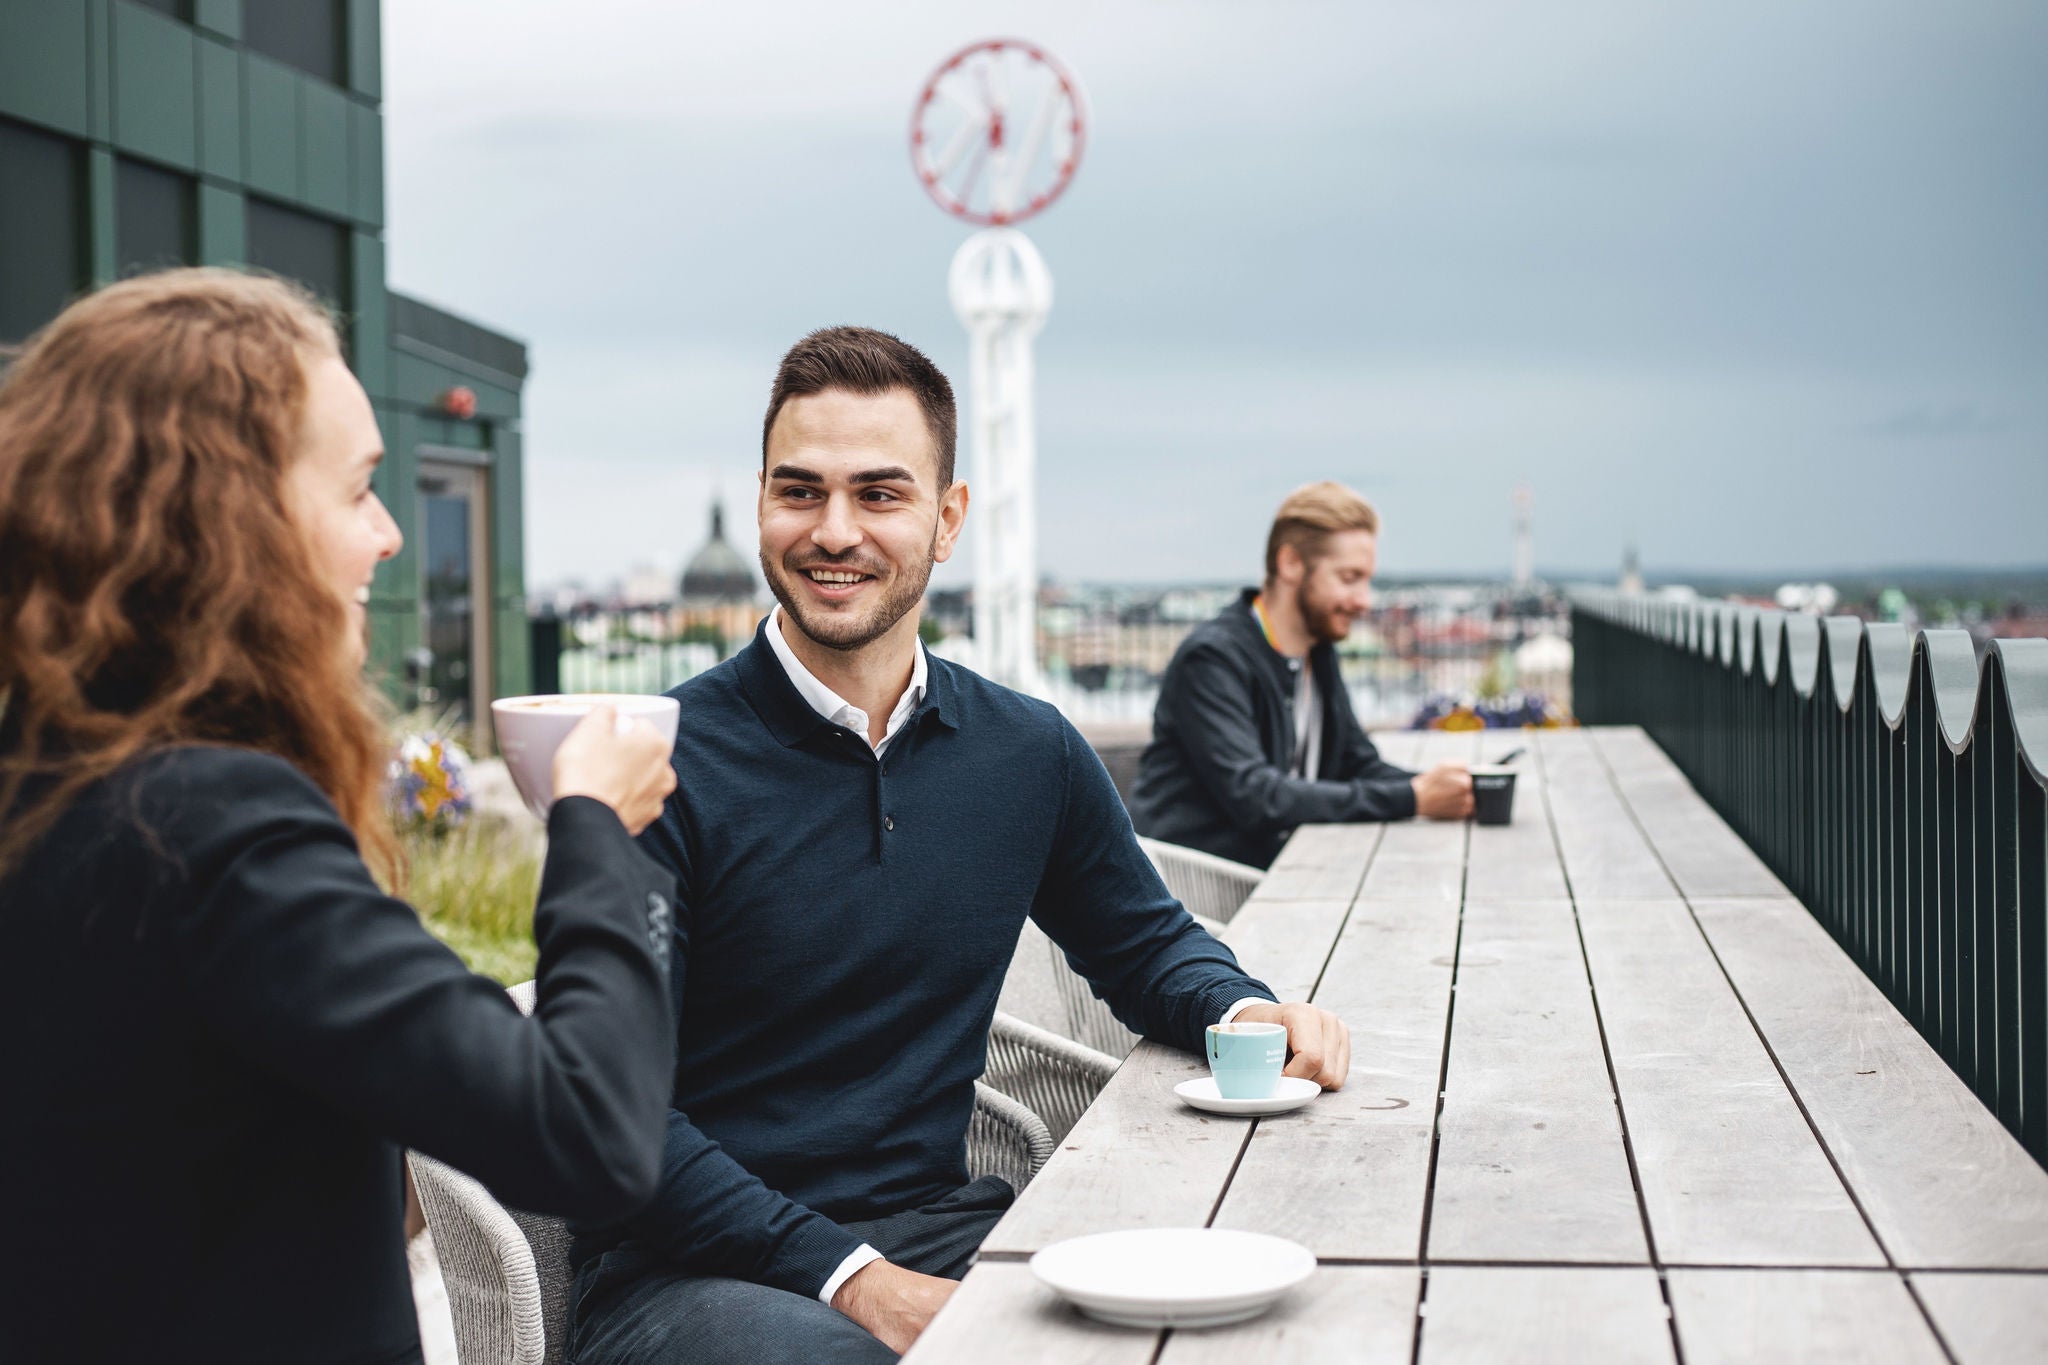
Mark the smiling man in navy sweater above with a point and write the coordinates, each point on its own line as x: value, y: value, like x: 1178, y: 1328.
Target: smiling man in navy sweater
x: 859, y: 831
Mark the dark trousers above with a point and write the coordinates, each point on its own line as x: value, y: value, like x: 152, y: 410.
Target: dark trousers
x: 629, y: 1308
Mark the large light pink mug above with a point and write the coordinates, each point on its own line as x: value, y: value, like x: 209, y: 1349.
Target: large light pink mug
x: 530, y: 729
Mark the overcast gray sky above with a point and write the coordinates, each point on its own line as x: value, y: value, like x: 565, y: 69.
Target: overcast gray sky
x: 1756, y: 284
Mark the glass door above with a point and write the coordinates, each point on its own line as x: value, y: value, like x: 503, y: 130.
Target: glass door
x: 455, y: 595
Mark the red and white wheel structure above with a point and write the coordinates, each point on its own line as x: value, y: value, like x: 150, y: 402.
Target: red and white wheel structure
x: 995, y: 138
x: 997, y: 132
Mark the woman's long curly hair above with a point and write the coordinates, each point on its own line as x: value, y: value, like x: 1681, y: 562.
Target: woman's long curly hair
x: 155, y: 589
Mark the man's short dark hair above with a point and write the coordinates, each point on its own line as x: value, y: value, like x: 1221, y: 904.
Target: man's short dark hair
x: 864, y: 361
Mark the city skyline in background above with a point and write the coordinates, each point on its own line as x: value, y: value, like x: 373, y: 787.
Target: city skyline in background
x: 1753, y: 291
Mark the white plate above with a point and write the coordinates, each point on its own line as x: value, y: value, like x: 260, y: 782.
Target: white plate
x: 1173, y: 1277
x: 1292, y: 1093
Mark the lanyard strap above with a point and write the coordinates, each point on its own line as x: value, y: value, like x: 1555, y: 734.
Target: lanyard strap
x: 1259, y: 610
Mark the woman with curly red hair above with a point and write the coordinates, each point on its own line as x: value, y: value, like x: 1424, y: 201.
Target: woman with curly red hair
x: 220, y: 1033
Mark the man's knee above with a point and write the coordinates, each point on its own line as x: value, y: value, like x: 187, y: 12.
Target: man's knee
x: 686, y: 1320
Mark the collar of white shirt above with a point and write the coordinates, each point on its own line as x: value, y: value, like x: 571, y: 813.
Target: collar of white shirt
x: 836, y: 708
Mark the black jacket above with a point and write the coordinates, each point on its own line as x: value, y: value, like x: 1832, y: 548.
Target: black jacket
x: 1216, y: 774
x: 216, y: 1036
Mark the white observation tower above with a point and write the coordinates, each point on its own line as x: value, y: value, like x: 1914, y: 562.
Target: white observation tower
x: 995, y: 138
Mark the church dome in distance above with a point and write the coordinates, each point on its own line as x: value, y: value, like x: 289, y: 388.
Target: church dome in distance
x: 717, y: 574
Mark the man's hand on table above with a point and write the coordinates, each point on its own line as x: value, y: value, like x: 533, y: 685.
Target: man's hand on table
x: 1444, y: 792
x: 1319, y: 1041
x: 894, y: 1304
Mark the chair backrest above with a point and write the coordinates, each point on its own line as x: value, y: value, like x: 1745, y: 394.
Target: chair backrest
x: 507, y: 1272
x: 1212, y: 888
x: 1031, y: 985
x: 549, y: 1240
x: 1005, y: 1139
x: 1054, y: 1077
x: 494, y: 1296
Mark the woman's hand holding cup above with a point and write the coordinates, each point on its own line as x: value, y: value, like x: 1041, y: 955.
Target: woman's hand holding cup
x: 624, y: 764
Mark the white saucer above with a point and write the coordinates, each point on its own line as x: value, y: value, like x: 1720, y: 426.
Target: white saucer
x: 1292, y: 1093
x: 1173, y: 1277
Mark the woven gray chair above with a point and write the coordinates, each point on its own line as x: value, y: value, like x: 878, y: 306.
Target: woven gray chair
x: 507, y: 1273
x: 495, y: 1288
x: 1085, y: 1018
x: 1054, y: 1077
x: 1210, y: 887
x: 1005, y: 1139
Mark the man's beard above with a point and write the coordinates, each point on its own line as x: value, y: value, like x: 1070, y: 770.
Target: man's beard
x: 842, y: 630
x: 1325, y: 624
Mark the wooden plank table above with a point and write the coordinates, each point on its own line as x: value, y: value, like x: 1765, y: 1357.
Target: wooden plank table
x: 1614, y: 1096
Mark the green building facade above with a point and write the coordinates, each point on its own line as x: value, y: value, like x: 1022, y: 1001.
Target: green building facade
x: 139, y: 135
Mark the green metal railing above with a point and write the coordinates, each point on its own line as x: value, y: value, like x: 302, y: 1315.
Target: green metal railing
x: 1894, y: 784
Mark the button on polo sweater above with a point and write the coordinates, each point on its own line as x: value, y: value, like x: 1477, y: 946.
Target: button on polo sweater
x: 842, y: 930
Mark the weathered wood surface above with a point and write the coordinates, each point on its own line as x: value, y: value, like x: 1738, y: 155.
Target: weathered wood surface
x: 1403, y: 748
x: 1141, y: 1158
x: 1530, y: 1165
x: 1605, y: 855
x: 1421, y: 858
x: 1002, y: 1315
x: 1348, y: 1176
x: 1287, y: 943
x: 1730, y: 1172
x: 1518, y: 860
x: 1944, y: 1185
x: 1418, y: 859
x: 1489, y: 1314
x: 1361, y: 1315
x: 1799, y: 1317
x: 1782, y: 1214
x: 1330, y: 863
x: 1989, y: 1319
x: 1696, y: 846
x: 1138, y: 1158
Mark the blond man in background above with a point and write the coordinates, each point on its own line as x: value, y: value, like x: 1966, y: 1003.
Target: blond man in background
x: 1254, y: 734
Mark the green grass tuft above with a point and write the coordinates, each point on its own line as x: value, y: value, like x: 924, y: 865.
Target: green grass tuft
x: 474, y: 889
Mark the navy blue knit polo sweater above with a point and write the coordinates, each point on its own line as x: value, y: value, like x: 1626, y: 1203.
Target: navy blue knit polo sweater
x: 842, y: 932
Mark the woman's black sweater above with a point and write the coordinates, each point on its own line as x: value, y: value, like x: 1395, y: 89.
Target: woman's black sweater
x: 217, y: 1035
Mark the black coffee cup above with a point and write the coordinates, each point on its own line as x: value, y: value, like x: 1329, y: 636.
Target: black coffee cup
x: 1493, y: 795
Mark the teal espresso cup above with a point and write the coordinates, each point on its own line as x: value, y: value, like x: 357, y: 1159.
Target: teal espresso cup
x: 1246, y: 1059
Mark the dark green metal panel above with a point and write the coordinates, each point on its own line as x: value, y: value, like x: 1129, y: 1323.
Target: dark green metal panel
x: 366, y: 164
x: 394, y: 633
x: 270, y: 126
x: 45, y: 71
x: 458, y: 435
x: 1893, y: 783
x: 365, y: 50
x: 512, y: 643
x: 394, y: 593
x: 508, y: 513
x: 222, y: 16
x: 220, y: 109
x: 494, y: 402
x: 99, y: 64
x: 99, y: 192
x: 223, y: 226
x: 420, y: 383
x: 324, y: 150
x: 370, y: 328
x: 156, y: 107
x: 399, y: 487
